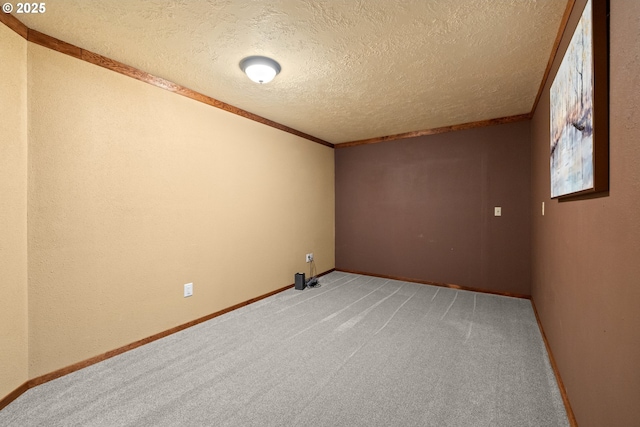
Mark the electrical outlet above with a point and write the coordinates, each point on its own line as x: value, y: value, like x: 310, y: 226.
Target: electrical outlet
x: 188, y: 290
x: 497, y: 211
x: 309, y: 257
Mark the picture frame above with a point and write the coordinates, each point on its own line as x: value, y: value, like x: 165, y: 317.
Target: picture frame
x: 579, y: 109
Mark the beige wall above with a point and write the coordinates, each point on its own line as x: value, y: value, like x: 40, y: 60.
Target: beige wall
x: 134, y: 191
x: 586, y: 253
x: 13, y: 211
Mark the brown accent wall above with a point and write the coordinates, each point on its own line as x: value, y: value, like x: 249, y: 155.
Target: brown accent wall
x: 586, y: 253
x: 13, y: 211
x: 423, y: 208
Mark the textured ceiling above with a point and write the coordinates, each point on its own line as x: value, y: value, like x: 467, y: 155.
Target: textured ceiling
x: 351, y: 69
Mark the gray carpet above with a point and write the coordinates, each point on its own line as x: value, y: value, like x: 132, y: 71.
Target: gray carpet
x: 357, y: 351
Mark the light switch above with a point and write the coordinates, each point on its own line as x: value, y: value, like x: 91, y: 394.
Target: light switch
x: 188, y: 290
x: 497, y: 211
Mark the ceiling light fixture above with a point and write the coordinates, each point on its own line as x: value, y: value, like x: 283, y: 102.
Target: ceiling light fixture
x: 260, y: 69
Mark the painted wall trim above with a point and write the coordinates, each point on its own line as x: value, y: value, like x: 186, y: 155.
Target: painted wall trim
x: 109, y: 354
x: 554, y: 51
x: 481, y: 123
x: 80, y: 365
x: 129, y: 71
x: 102, y: 61
x: 15, y: 24
x: 14, y: 395
x: 563, y: 392
x: 565, y: 398
x: 444, y: 285
x: 435, y: 131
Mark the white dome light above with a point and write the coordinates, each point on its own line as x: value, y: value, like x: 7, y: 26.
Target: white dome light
x: 260, y: 69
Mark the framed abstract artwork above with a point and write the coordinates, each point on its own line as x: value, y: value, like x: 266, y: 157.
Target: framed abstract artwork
x: 579, y: 104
